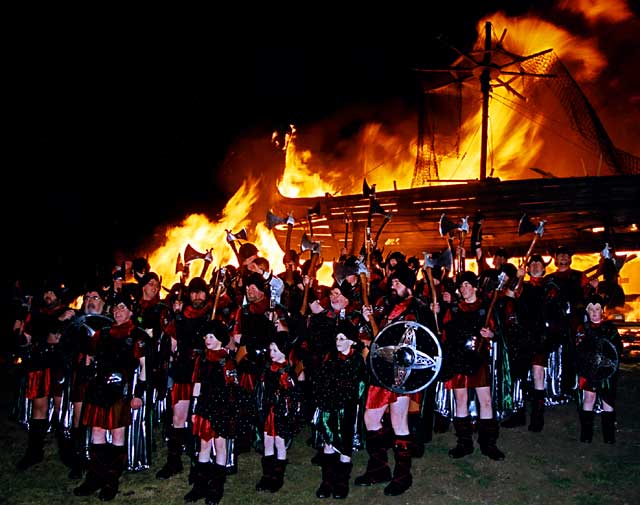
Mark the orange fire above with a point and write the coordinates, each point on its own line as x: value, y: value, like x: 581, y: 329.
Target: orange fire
x: 519, y: 138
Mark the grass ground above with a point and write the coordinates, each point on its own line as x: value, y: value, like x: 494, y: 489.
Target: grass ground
x: 549, y: 467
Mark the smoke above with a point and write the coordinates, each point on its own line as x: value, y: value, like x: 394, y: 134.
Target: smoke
x: 613, y: 92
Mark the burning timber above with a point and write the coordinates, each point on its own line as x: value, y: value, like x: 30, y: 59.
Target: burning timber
x: 576, y: 211
x: 580, y: 212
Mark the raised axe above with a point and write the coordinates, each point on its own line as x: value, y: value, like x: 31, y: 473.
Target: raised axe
x: 446, y: 228
x: 429, y: 264
x: 377, y: 209
x: 191, y: 254
x: 312, y: 211
x: 476, y: 233
x: 232, y: 238
x: 315, y: 248
x: 220, y: 276
x: 526, y: 226
x: 363, y: 273
x: 463, y: 229
x: 272, y: 221
x: 346, y: 230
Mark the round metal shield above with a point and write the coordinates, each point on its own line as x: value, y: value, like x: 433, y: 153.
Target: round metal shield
x: 596, y: 359
x: 405, y: 357
x: 85, y: 326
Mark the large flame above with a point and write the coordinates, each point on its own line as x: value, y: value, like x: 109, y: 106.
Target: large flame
x: 386, y: 154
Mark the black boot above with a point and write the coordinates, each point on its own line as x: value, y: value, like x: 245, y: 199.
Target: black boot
x: 378, y: 465
x: 517, y: 418
x: 464, y: 436
x: 96, y: 470
x: 65, y: 445
x: 277, y: 477
x: 329, y: 468
x: 609, y: 427
x: 264, y: 484
x: 175, y: 444
x: 402, y: 478
x: 215, y: 486
x: 440, y: 423
x: 342, y: 477
x: 116, y: 459
x: 537, y: 411
x: 201, y: 477
x: 417, y: 430
x: 488, y: 431
x: 586, y: 426
x: 35, y: 444
x: 79, y: 456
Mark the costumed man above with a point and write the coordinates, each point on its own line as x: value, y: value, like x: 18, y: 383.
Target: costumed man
x: 186, y: 345
x: 116, y: 352
x: 400, y: 305
x: 251, y: 335
x: 467, y: 331
x: 566, y: 289
x: 47, y: 378
x: 530, y: 314
x: 152, y: 316
x: 598, y: 370
x: 338, y: 388
x: 91, y: 317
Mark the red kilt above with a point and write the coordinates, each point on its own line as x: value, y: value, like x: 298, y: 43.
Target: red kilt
x: 482, y: 378
x: 117, y: 415
x: 379, y: 397
x: 181, y: 392
x: 202, y: 428
x: 41, y: 385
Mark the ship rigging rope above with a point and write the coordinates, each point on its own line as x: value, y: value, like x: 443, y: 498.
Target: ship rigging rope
x: 512, y: 105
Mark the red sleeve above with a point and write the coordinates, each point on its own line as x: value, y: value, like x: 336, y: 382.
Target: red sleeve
x: 195, y: 377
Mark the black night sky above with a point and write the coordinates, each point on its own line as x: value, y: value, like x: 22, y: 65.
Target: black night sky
x: 103, y: 121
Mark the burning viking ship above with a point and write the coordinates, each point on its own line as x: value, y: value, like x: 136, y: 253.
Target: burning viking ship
x: 581, y: 210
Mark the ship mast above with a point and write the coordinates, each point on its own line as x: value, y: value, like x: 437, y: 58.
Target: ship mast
x: 491, y: 74
x: 485, y: 87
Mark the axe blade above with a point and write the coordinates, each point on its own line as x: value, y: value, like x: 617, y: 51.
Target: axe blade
x: 290, y: 220
x: 464, y: 225
x: 540, y: 228
x: 446, y: 260
x: 368, y: 191
x: 525, y: 225
x: 179, y: 264
x: 306, y: 244
x: 232, y: 237
x: 445, y: 225
x: 273, y: 220
x: 429, y: 261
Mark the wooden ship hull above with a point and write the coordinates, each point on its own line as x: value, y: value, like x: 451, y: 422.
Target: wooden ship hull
x: 577, y: 211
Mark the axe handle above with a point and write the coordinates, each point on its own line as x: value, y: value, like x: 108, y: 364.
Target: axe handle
x: 311, y: 274
x: 365, y: 300
x: 494, y: 298
x: 525, y: 261
x: 235, y: 251
x: 434, y: 298
x: 205, y: 267
x: 216, y: 300
x: 287, y: 249
x: 384, y: 223
x: 460, y: 255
